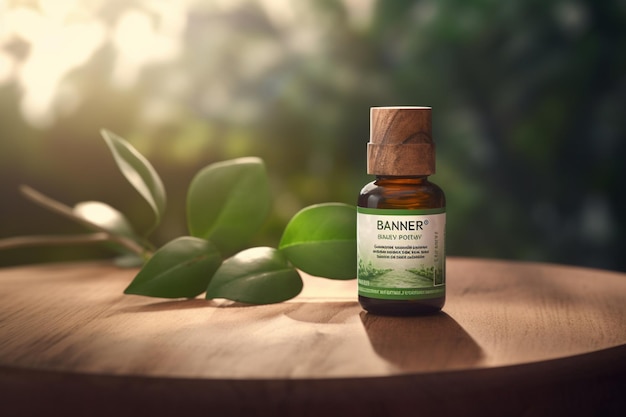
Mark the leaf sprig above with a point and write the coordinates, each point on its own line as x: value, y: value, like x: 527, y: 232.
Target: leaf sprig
x: 227, y: 203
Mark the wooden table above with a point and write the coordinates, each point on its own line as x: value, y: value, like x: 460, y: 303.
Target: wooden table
x: 514, y: 339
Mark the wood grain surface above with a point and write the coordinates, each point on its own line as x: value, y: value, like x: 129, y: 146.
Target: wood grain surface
x: 517, y: 330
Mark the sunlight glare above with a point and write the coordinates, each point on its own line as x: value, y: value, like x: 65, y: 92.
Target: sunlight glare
x: 280, y: 12
x: 138, y: 43
x: 57, y: 10
x: 55, y: 48
x: 55, y: 51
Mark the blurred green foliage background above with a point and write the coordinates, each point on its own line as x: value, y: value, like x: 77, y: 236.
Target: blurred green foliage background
x: 528, y: 97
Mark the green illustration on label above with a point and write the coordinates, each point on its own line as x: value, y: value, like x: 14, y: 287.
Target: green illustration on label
x: 401, y: 253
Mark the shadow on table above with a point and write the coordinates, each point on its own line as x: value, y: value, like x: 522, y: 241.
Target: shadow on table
x: 422, y: 344
x: 183, y: 304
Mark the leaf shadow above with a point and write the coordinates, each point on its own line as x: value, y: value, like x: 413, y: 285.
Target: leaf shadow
x: 184, y: 304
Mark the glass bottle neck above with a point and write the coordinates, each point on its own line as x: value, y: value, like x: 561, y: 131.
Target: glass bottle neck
x: 392, y: 180
x: 401, y: 177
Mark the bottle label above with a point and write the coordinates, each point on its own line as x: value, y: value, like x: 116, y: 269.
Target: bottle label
x: 401, y: 253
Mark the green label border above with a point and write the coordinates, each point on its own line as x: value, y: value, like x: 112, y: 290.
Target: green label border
x: 406, y: 294
x: 400, y: 212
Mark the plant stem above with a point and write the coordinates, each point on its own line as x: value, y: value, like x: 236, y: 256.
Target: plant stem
x: 24, y: 241
x: 56, y: 240
x: 102, y: 234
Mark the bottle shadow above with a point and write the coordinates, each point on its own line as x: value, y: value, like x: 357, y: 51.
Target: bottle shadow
x: 422, y: 344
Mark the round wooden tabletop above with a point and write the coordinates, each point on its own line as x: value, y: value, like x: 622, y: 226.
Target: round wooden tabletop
x: 514, y: 339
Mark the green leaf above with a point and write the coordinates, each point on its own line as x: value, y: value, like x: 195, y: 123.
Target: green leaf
x: 139, y: 172
x: 257, y: 276
x: 321, y: 240
x: 106, y: 217
x: 181, y: 268
x: 228, y: 202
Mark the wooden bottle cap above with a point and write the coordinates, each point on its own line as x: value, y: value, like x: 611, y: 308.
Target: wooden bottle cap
x: 401, y: 141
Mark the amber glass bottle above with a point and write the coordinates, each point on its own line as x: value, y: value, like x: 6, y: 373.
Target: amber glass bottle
x: 401, y: 217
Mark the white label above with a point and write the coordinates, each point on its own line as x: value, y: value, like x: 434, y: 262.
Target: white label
x: 401, y: 253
